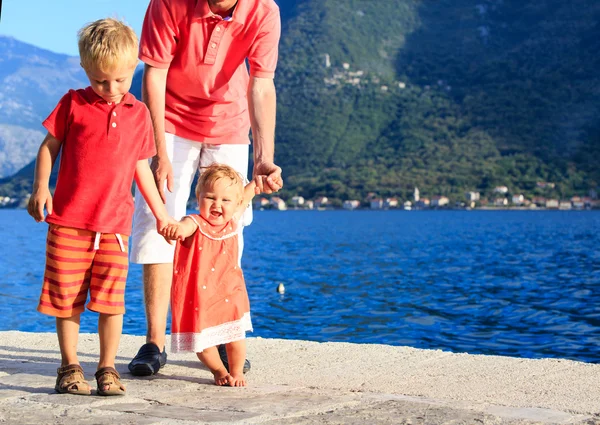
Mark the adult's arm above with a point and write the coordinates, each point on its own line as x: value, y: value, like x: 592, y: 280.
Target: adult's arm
x: 154, y: 85
x: 262, y: 100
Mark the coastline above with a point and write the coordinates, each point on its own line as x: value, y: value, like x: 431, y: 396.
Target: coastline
x: 304, y: 382
x: 483, y: 208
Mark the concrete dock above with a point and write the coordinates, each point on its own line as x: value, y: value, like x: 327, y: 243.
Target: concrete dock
x: 301, y: 382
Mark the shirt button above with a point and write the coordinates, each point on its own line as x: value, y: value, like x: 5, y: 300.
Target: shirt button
x: 212, y: 270
x: 213, y: 45
x: 114, y: 114
x: 204, y: 287
x: 218, y: 29
x: 114, y: 124
x: 226, y: 300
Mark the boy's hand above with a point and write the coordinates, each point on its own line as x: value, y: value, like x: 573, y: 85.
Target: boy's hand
x: 173, y: 232
x: 39, y: 198
x: 162, y: 225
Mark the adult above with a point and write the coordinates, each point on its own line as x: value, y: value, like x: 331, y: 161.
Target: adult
x: 203, y: 100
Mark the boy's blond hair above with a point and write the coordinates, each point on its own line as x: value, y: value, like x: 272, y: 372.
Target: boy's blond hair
x: 107, y: 44
x: 215, y: 172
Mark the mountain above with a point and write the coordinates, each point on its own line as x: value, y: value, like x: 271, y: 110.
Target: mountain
x: 452, y: 95
x: 32, y: 82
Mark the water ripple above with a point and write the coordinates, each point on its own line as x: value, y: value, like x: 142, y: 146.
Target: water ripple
x: 507, y: 283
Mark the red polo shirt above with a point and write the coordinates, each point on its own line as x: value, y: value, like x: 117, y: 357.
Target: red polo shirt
x: 205, y: 54
x: 101, y: 144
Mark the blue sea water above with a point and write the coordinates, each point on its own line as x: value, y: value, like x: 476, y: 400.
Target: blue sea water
x: 515, y: 283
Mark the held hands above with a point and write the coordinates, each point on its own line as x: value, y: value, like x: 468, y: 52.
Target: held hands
x: 267, y: 177
x: 162, y: 170
x: 173, y: 232
x: 162, y: 225
x: 39, y: 199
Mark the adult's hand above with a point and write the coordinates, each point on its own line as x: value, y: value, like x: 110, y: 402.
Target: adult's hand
x: 267, y: 177
x: 162, y: 170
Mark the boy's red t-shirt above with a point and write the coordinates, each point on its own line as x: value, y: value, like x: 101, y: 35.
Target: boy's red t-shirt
x: 101, y: 144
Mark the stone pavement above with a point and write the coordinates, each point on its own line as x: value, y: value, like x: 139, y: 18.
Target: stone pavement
x: 301, y: 382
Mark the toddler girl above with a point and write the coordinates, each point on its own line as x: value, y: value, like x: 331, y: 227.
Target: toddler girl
x: 209, y: 302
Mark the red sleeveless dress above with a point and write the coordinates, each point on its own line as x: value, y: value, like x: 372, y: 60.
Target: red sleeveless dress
x: 209, y: 301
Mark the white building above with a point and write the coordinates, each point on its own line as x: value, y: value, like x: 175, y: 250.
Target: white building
x: 416, y: 195
x: 422, y: 203
x: 390, y: 203
x: 564, y: 205
x: 376, y: 204
x: 321, y: 202
x: 297, y: 201
x: 278, y: 203
x: 351, y: 204
x: 518, y: 199
x: 260, y: 202
x: 439, y: 201
x: 473, y: 196
x: 501, y: 189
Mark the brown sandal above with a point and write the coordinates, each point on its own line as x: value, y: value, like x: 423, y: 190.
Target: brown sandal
x: 70, y: 380
x: 108, y: 376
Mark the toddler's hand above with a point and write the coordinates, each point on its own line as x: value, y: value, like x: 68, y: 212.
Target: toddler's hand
x: 39, y: 199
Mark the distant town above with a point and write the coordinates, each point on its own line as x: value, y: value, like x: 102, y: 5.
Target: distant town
x: 472, y: 200
x: 501, y: 199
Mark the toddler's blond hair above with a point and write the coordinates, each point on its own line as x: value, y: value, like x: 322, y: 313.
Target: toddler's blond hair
x: 215, y: 172
x: 107, y: 44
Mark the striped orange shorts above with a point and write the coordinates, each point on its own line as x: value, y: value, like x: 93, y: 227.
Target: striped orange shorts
x: 79, y: 260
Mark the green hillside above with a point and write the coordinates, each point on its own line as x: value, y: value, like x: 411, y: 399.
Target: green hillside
x: 497, y: 92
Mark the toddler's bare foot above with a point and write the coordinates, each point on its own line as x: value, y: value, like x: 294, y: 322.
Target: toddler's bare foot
x: 237, y: 380
x: 221, y: 377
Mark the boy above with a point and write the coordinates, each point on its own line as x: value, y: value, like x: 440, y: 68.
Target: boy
x: 106, y: 138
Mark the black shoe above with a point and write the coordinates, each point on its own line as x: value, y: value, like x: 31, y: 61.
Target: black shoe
x: 148, y: 360
x: 223, y: 355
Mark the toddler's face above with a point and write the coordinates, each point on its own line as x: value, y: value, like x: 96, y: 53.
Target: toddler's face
x: 111, y: 86
x: 218, y: 202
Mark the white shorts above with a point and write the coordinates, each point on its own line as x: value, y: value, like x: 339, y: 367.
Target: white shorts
x: 187, y: 157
